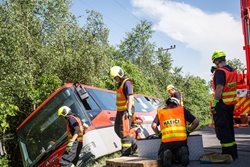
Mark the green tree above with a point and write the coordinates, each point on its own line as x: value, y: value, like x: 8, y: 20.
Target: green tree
x: 22, y: 48
x: 236, y: 63
x: 140, y: 81
x: 43, y: 46
x: 6, y: 111
x: 87, y: 54
x: 137, y: 46
x: 164, y: 60
x: 96, y: 28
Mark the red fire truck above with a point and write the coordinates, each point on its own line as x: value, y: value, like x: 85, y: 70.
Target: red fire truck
x: 42, y: 135
x: 242, y: 108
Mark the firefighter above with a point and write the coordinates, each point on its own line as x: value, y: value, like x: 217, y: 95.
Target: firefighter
x: 172, y: 120
x: 125, y: 109
x: 224, y: 84
x: 174, y: 93
x: 75, y: 131
x: 135, y: 130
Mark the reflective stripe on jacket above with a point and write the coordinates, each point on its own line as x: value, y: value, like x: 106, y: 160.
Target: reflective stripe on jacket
x: 229, y: 94
x: 80, y: 134
x: 121, y: 101
x: 173, y: 124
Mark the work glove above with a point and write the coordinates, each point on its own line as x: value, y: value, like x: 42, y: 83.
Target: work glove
x: 188, y: 131
x: 69, y: 145
x: 129, y: 113
x: 215, y: 101
x: 154, y: 136
x: 213, y: 68
x: 159, y: 135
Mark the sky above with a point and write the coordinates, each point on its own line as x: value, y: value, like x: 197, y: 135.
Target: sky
x: 196, y: 27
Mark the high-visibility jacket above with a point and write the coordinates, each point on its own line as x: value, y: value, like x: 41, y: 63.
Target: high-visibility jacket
x: 121, y: 101
x: 172, y: 124
x: 80, y: 134
x: 229, y: 94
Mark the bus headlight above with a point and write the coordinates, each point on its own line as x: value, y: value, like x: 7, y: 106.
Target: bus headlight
x: 87, y: 148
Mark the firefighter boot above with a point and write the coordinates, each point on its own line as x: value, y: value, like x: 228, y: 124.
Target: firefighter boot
x: 167, y: 158
x: 235, y: 151
x: 133, y: 149
x: 183, y: 153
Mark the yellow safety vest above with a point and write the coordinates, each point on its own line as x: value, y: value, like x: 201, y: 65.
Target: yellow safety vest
x: 229, y: 94
x: 121, y: 101
x: 80, y: 135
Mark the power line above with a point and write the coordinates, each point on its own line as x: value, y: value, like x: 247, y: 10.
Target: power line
x: 108, y: 18
x: 124, y: 8
x: 104, y: 16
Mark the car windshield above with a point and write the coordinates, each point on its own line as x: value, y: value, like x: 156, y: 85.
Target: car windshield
x: 46, y: 131
x: 156, y: 103
x: 142, y: 104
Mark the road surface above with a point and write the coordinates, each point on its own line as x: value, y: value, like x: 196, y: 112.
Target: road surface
x: 211, y: 144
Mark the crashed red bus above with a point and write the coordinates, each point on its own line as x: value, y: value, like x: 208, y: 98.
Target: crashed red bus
x: 42, y: 135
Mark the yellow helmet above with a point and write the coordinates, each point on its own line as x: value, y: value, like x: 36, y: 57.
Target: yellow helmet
x: 63, y: 111
x: 218, y: 54
x: 169, y: 87
x: 116, y: 71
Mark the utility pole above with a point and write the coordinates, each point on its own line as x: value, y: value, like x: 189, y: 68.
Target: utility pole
x: 171, y: 47
x: 167, y: 49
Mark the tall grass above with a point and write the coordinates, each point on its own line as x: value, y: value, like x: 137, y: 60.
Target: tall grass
x: 101, y: 162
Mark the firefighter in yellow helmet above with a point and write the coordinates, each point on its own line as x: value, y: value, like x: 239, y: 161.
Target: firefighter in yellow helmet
x: 224, y: 84
x: 75, y: 130
x: 125, y: 109
x: 173, y: 132
x: 173, y: 92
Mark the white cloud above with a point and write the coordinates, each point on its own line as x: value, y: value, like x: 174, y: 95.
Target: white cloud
x: 198, y: 30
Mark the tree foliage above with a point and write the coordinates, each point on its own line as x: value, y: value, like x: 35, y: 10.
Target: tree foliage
x: 43, y: 46
x: 137, y: 46
x: 237, y: 64
x: 156, y: 72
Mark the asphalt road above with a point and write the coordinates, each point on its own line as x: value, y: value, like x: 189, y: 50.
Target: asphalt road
x: 211, y: 144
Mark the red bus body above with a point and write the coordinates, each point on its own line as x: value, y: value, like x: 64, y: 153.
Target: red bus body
x: 100, y: 138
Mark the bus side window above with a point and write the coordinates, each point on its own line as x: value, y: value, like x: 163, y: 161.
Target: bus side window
x: 147, y: 98
x: 86, y: 105
x: 91, y: 107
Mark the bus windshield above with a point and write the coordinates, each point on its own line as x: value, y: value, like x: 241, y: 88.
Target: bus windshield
x: 107, y: 101
x: 45, y: 131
